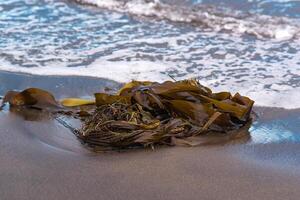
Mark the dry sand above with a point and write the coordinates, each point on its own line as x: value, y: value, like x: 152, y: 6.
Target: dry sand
x: 43, y: 160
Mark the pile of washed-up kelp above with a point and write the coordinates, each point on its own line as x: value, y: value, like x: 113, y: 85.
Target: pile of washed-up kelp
x: 148, y: 113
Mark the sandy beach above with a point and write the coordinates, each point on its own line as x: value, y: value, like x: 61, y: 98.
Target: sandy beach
x: 44, y: 160
x: 75, y: 48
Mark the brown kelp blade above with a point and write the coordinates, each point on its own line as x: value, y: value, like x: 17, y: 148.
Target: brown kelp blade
x: 129, y: 87
x: 102, y: 99
x: 33, y: 97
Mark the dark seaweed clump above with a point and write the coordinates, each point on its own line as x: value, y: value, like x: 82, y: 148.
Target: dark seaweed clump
x: 172, y: 113
x: 147, y: 113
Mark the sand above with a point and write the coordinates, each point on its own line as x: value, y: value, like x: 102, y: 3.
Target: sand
x: 41, y: 159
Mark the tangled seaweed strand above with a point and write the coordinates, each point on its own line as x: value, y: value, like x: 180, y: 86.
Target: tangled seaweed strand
x: 121, y: 125
x: 146, y: 113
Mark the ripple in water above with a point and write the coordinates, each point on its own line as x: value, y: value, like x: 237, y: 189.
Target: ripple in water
x: 276, y: 131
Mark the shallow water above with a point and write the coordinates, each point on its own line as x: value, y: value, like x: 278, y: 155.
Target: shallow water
x: 282, y: 130
x: 247, y: 46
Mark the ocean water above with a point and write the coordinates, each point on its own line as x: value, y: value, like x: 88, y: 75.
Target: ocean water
x: 246, y: 46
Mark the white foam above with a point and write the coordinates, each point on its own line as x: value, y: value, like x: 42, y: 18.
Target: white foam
x: 269, y: 83
x: 117, y: 71
x: 123, y: 71
x: 105, y: 4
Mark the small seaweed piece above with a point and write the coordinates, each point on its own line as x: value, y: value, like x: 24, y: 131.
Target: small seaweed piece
x: 31, y: 97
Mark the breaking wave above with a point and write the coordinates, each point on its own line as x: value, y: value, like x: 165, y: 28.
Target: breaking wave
x: 206, y: 17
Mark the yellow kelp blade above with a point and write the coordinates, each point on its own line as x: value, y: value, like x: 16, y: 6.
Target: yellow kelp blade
x: 237, y: 110
x: 72, y: 102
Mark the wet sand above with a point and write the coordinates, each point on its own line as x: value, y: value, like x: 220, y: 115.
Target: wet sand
x: 43, y: 160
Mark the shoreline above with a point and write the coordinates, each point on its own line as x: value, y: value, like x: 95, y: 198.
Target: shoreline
x: 62, y: 86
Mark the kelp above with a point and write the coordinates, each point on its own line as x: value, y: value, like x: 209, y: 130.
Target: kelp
x: 31, y: 97
x: 147, y: 113
x: 73, y: 102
